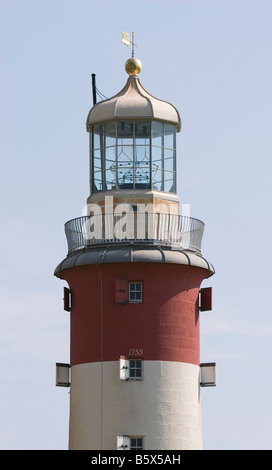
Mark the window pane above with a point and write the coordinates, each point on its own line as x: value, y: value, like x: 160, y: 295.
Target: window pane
x: 96, y: 160
x: 125, y: 167
x: 169, y: 136
x: 135, y: 369
x: 110, y: 179
x: 133, y: 442
x: 169, y: 181
x: 98, y: 140
x: 110, y: 134
x: 110, y: 165
x: 142, y: 177
x: 157, y: 133
x: 110, y: 153
x: 139, y: 443
x: 136, y: 443
x: 97, y: 181
x: 157, y: 155
x: 125, y: 155
x: 110, y: 168
x: 169, y: 161
x: 157, y: 182
x: 142, y: 155
x: 142, y: 133
x: 125, y: 132
x: 135, y: 292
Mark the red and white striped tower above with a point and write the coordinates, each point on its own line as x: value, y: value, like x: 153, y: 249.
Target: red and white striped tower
x: 134, y: 270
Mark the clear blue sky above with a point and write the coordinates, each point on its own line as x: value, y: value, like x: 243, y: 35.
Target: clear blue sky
x: 212, y: 60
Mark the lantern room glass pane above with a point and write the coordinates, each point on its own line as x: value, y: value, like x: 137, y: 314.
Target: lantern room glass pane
x: 97, y: 181
x: 142, y: 155
x: 142, y: 166
x: 169, y: 181
x: 142, y: 178
x: 157, y: 133
x: 142, y: 132
x: 96, y: 160
x: 110, y: 134
x: 98, y: 137
x: 125, y: 167
x: 125, y: 154
x: 125, y: 133
x: 157, y: 157
x: 169, y: 136
x: 110, y: 164
x: 110, y: 179
x: 157, y: 179
x: 169, y: 160
x: 110, y: 153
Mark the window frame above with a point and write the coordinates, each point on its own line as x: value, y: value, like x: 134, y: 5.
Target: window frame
x: 135, y: 368
x: 135, y: 291
x: 136, y: 438
x: 125, y: 368
x: 124, y: 442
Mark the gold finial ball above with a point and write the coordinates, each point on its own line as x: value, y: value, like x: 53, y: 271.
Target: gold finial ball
x: 133, y: 66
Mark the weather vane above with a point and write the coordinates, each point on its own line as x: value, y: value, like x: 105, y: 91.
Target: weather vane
x: 126, y: 40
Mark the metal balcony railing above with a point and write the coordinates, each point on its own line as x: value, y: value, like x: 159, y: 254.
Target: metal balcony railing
x: 149, y: 228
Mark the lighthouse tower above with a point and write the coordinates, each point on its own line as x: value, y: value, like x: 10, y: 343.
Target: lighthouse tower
x: 134, y: 270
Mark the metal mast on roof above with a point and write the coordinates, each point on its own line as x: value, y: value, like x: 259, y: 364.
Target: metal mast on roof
x: 126, y: 40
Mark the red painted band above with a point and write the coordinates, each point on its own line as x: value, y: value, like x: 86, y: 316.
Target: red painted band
x: 164, y: 327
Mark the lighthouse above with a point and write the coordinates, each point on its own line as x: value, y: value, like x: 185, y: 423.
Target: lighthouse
x: 133, y: 275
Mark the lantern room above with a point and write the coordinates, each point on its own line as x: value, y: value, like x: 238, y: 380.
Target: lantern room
x: 133, y: 140
x: 129, y: 154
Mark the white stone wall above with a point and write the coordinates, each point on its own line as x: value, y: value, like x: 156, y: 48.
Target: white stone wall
x: 164, y: 407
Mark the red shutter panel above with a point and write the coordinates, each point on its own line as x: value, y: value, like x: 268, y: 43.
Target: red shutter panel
x: 206, y: 299
x: 121, y: 291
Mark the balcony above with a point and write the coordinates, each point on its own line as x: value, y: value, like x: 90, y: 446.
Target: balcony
x: 169, y: 230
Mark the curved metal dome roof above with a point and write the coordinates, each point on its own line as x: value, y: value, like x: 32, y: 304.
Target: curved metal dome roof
x: 133, y: 102
x: 134, y: 254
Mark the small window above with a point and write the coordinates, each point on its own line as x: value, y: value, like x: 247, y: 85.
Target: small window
x: 135, y: 292
x: 130, y: 442
x: 136, y: 443
x: 135, y: 369
x: 130, y: 369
